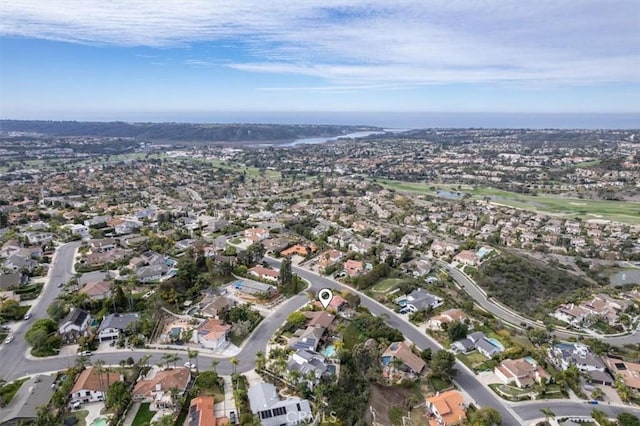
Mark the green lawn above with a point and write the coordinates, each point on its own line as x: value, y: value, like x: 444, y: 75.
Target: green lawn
x: 438, y: 384
x: 473, y: 359
x: 513, y: 392
x: 351, y: 337
x: 621, y: 211
x: 143, y: 416
x: 386, y: 285
x: 81, y: 416
x: 8, y: 391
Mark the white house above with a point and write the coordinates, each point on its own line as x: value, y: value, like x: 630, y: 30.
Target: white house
x: 212, y: 334
x: 91, y: 386
x: 156, y: 387
x: 75, y: 324
x: 523, y: 372
x: 114, y: 324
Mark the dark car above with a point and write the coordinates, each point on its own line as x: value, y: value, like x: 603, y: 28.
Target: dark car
x: 232, y: 417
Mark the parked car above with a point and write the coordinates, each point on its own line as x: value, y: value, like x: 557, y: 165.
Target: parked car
x: 9, y: 339
x: 189, y: 365
x: 85, y: 353
x: 232, y: 417
x: 60, y: 285
x: 27, y: 316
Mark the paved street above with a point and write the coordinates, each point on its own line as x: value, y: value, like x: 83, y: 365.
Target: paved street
x: 15, y: 364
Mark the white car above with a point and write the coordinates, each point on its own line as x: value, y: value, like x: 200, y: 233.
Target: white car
x: 85, y: 353
x: 189, y: 365
x: 27, y: 316
x: 9, y: 339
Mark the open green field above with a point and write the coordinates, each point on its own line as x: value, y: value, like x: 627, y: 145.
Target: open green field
x: 386, y: 285
x: 620, y: 211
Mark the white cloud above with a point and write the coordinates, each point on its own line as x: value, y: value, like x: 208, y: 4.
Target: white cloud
x: 358, y: 43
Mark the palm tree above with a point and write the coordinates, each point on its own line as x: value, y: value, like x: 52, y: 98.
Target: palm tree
x: 144, y: 360
x: 548, y: 414
x: 214, y: 364
x: 98, y: 366
x: 261, y: 360
x: 234, y: 362
x: 81, y: 362
x: 597, y: 394
x: 193, y: 354
x: 174, y: 357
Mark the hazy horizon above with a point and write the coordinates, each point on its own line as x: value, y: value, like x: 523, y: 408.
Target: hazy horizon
x: 389, y: 120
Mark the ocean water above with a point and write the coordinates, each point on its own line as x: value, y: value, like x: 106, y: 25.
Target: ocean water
x: 409, y: 120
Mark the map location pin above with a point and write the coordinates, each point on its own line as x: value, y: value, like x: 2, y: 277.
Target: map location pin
x: 324, y: 296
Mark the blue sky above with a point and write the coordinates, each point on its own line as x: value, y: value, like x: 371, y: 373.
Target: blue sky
x: 145, y: 58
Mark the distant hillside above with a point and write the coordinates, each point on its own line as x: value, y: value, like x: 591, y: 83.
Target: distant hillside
x: 524, y: 284
x: 180, y: 131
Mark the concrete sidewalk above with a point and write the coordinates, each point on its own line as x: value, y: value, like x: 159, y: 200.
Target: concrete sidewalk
x: 131, y: 414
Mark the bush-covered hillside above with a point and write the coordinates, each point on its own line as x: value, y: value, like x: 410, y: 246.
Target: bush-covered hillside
x: 525, y: 284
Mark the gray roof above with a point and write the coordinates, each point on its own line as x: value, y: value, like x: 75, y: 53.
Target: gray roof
x: 32, y: 394
x: 263, y: 397
x: 76, y: 317
x: 253, y: 287
x: 119, y: 321
x: 308, y: 339
x: 466, y: 344
x: 423, y: 299
x: 488, y: 347
x: 10, y: 280
x: 477, y: 335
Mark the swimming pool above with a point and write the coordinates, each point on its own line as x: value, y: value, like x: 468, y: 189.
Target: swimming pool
x: 496, y: 343
x: 329, y: 351
x: 100, y: 421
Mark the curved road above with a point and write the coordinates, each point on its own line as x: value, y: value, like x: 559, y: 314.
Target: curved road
x: 16, y: 364
x: 480, y: 297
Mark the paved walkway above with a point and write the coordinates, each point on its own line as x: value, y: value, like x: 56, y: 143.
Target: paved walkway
x: 131, y: 414
x: 223, y: 408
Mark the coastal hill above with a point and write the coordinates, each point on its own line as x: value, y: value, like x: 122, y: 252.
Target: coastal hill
x: 184, y: 132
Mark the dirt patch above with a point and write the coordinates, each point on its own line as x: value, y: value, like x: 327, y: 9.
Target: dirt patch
x: 382, y: 398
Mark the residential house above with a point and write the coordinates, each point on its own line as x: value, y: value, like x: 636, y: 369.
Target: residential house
x: 480, y: 342
x: 202, y: 412
x: 103, y: 244
x: 264, y: 273
x: 152, y: 273
x: 157, y: 385
x: 353, y: 268
x: 299, y: 250
x: 35, y: 392
x: 256, y: 234
x: 466, y: 257
x: 440, y: 248
x: 217, y: 306
x: 114, y: 324
x: 19, y: 262
x: 337, y: 303
x: 418, y: 299
x: 446, y: 409
x: 571, y: 314
x: 97, y: 290
x: 212, y: 334
x: 319, y: 318
x: 563, y: 355
x: 329, y: 258
x: 11, y: 280
x: 408, y: 361
x: 307, y: 339
x: 308, y: 363
x: 272, y: 411
x: 92, y: 384
x: 75, y: 324
x: 523, y: 372
x: 450, y: 315
x: 97, y: 221
x: 628, y: 371
x: 255, y: 289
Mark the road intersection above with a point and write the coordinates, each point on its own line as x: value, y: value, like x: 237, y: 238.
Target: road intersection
x: 15, y: 362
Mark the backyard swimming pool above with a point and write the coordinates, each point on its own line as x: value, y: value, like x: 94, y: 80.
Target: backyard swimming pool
x: 496, y: 343
x: 329, y: 351
x: 100, y: 421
